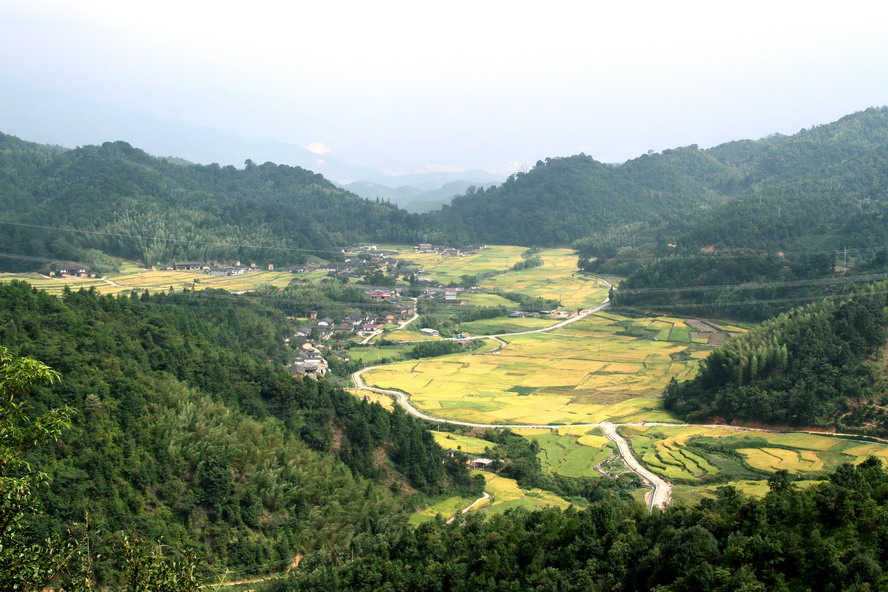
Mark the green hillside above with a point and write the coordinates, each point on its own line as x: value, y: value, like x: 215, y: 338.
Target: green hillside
x: 821, y: 188
x: 563, y: 199
x: 116, y: 200
x: 189, y: 431
x: 827, y: 537
x: 813, y: 366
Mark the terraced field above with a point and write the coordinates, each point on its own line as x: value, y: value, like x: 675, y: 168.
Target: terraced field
x: 557, y: 279
x: 714, y: 456
x: 446, y: 269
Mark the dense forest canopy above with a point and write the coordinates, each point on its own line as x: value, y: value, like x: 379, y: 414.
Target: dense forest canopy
x: 830, y: 537
x: 116, y: 200
x: 188, y: 429
x: 812, y: 366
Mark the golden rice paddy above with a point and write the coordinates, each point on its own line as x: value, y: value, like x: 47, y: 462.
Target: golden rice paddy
x: 587, y: 372
x: 145, y: 279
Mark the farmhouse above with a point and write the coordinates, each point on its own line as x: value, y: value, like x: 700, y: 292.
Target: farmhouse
x: 187, y: 266
x: 382, y: 295
x: 430, y: 332
x: 481, y: 463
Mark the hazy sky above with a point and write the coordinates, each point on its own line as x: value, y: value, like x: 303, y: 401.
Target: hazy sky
x: 485, y: 84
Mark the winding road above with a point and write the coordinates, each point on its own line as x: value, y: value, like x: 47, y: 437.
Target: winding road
x: 660, y: 490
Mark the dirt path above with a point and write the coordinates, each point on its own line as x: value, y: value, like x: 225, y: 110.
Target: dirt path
x: 486, y: 496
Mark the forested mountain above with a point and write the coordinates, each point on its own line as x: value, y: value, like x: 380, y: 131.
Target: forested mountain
x: 563, y: 199
x: 187, y: 429
x: 813, y: 366
x: 830, y: 537
x: 822, y: 188
x: 116, y: 200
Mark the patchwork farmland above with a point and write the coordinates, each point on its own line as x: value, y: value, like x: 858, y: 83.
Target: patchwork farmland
x: 590, y: 371
x: 606, y: 367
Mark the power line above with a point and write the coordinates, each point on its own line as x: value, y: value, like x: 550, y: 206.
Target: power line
x: 868, y: 278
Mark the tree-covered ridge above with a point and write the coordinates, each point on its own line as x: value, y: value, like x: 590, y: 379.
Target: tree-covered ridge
x: 830, y: 537
x: 780, y: 193
x: 563, y: 199
x: 188, y: 430
x: 812, y: 366
x: 736, y: 283
x: 125, y: 203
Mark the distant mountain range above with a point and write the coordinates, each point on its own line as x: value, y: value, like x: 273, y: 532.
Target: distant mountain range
x: 428, y: 192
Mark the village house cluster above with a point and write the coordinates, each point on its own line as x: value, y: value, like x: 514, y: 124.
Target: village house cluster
x: 311, y: 339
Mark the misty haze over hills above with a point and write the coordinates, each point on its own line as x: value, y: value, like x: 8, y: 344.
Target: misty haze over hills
x: 65, y: 120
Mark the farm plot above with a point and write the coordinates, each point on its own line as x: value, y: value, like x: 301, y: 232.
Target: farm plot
x: 557, y: 279
x: 446, y: 508
x: 507, y: 495
x: 375, y: 353
x: 501, y: 325
x: 446, y: 269
x: 737, y: 454
x: 57, y: 285
x: 145, y: 279
x: 384, y: 400
x: 570, y: 455
x: 484, y: 299
x: 468, y: 444
x: 406, y: 335
x: 775, y: 459
x: 585, y: 373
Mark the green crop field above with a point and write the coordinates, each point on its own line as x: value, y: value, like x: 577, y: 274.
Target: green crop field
x: 671, y: 452
x: 568, y: 456
x: 500, y: 325
x: 485, y: 299
x: 372, y: 354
